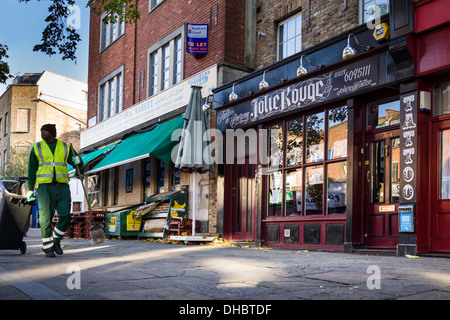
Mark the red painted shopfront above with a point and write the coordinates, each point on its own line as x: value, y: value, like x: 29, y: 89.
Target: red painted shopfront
x: 432, y: 70
x: 358, y: 152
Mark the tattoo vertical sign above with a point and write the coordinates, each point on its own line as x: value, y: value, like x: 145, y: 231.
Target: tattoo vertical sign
x: 408, y: 145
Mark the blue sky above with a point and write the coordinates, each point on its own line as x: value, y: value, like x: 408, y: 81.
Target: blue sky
x: 21, y: 26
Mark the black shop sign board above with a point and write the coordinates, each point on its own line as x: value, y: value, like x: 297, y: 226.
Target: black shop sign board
x: 326, y: 87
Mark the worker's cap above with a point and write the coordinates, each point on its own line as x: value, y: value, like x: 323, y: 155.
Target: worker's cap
x: 51, y: 128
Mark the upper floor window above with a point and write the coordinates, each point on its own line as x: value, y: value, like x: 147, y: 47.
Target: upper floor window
x: 154, y: 3
x: 165, y: 64
x: 110, y: 32
x: 23, y: 120
x: 6, y: 124
x: 290, y: 37
x: 441, y: 99
x: 370, y: 9
x: 110, y: 95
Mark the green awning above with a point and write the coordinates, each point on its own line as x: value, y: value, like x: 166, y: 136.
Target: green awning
x: 139, y: 146
x: 88, y: 157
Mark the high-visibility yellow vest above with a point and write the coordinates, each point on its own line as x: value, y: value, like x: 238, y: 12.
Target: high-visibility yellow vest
x: 48, y: 161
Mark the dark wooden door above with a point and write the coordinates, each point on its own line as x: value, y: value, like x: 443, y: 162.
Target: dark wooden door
x: 244, y: 201
x: 382, y: 189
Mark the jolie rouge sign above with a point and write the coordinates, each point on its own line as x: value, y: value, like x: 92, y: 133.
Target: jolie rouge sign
x: 325, y: 87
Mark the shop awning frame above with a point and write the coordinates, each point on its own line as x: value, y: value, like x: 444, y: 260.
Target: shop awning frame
x: 141, y: 145
x: 91, y: 156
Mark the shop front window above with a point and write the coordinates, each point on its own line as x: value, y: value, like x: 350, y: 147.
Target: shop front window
x: 305, y: 180
x: 293, y: 196
x: 337, y: 187
x: 275, y: 193
x: 377, y: 167
x: 445, y: 165
x: 294, y: 142
x: 395, y: 174
x: 314, y: 190
x: 315, y: 137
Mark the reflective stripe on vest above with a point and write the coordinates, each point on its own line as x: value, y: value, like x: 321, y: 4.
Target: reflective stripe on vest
x: 48, y: 161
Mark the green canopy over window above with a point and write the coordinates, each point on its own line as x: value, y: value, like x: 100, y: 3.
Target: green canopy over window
x: 139, y: 146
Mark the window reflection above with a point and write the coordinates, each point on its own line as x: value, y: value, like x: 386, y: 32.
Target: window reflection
x: 337, y: 187
x: 275, y: 194
x: 314, y: 190
x: 314, y: 137
x: 395, y: 174
x: 383, y: 115
x: 294, y: 142
x: 296, y: 175
x: 293, y: 197
x: 377, y: 167
x: 337, y: 132
x: 276, y: 145
x: 445, y: 164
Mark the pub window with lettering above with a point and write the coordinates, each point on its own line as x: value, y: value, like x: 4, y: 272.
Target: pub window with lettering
x: 307, y: 174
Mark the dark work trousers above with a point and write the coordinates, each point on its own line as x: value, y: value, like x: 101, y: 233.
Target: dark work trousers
x: 53, y: 196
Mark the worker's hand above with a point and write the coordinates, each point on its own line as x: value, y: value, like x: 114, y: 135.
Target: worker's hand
x: 76, y: 160
x: 30, y: 196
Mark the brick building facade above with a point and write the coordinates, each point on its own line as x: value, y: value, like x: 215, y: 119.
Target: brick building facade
x: 140, y: 77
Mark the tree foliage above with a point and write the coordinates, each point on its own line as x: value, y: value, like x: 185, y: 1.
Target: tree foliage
x: 16, y: 165
x: 4, y: 68
x: 60, y: 38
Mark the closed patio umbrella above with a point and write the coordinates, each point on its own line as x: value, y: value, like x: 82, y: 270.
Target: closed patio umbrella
x: 193, y: 151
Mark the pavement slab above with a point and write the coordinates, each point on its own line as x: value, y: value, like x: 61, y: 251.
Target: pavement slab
x: 132, y: 269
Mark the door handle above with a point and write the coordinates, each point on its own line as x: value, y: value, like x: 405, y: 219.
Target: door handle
x: 368, y: 175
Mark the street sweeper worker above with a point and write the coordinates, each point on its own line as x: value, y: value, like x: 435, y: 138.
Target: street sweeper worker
x: 47, y: 167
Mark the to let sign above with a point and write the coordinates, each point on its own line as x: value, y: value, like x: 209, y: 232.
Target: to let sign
x: 197, y: 38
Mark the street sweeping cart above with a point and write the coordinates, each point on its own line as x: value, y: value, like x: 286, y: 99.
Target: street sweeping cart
x: 15, y: 213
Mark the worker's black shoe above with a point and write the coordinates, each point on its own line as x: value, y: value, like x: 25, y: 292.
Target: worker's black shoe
x: 50, y: 254
x: 57, y: 249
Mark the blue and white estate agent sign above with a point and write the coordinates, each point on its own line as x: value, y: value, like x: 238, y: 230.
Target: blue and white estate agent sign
x: 197, y: 38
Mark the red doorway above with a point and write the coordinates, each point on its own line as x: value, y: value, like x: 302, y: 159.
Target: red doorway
x: 440, y: 170
x: 381, y: 181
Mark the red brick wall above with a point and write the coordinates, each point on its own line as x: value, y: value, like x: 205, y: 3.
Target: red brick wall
x: 121, y: 52
x: 226, y: 42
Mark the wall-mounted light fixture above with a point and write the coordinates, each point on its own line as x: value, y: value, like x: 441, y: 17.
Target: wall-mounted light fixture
x: 261, y: 34
x: 263, y: 84
x: 349, y: 51
x: 301, y: 71
x: 208, y: 102
x: 233, y: 96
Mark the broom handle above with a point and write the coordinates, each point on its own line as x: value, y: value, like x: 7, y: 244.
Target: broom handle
x: 82, y: 184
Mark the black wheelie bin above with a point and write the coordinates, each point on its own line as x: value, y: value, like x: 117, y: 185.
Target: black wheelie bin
x: 15, y: 213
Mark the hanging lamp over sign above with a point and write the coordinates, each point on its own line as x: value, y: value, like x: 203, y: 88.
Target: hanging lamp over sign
x: 197, y: 38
